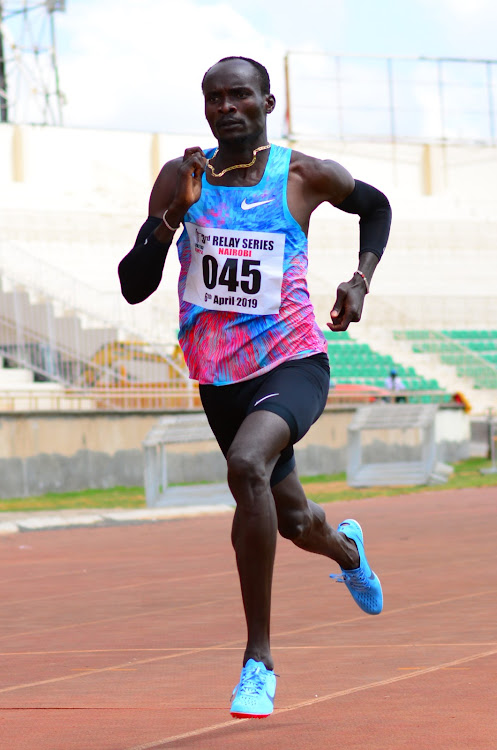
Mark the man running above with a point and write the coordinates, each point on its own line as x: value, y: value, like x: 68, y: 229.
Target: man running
x: 248, y: 333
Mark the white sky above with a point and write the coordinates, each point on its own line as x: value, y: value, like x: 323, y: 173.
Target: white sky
x: 137, y: 64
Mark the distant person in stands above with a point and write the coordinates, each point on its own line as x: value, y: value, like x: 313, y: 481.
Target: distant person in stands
x: 394, y: 383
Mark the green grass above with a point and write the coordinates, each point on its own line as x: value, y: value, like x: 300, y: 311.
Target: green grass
x: 332, y: 487
x: 466, y: 474
x: 116, y: 497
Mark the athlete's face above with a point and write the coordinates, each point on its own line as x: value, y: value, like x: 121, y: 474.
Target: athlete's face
x: 235, y: 107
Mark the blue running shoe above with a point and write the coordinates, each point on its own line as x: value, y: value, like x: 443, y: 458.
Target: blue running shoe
x: 363, y: 584
x: 253, y: 697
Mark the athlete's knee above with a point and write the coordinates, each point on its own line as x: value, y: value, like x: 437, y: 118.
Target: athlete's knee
x: 246, y: 470
x: 294, y: 524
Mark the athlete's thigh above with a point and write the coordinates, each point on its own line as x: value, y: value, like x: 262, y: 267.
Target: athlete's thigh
x: 297, y: 391
x: 261, y: 438
x: 226, y: 407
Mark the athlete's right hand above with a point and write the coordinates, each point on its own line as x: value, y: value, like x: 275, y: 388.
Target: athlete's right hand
x: 188, y: 181
x: 177, y: 187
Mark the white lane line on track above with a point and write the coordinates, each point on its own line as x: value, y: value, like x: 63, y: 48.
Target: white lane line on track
x: 220, y: 646
x: 157, y: 744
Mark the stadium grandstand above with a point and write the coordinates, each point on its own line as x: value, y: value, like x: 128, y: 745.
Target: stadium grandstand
x: 62, y: 316
x: 73, y: 201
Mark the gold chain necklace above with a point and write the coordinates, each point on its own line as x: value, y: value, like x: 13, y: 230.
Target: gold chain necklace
x: 235, y: 166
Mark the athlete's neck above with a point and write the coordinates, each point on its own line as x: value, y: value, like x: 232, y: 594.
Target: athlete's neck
x: 240, y: 177
x: 238, y: 151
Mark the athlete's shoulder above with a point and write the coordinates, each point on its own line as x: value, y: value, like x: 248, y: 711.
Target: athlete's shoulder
x: 165, y: 184
x: 171, y: 167
x: 164, y: 187
x: 324, y: 177
x: 313, y: 168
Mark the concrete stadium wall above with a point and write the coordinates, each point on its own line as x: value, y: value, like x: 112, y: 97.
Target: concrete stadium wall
x: 63, y: 452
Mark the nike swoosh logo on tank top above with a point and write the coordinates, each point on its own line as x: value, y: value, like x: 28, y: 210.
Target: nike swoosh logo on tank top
x: 247, y: 206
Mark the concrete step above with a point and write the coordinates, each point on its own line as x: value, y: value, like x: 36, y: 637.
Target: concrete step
x: 10, y: 377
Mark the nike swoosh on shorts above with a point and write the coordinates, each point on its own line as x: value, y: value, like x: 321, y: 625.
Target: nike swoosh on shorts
x: 270, y: 395
x: 247, y: 206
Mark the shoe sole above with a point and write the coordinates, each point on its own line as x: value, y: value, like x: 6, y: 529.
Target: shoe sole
x: 249, y: 716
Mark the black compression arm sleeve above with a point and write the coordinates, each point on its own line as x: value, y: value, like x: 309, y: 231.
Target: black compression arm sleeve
x: 376, y: 216
x: 140, y: 271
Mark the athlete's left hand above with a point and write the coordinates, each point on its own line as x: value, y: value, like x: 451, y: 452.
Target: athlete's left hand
x: 348, y: 306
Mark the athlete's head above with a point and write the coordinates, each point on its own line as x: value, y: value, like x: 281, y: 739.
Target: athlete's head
x: 263, y: 75
x: 237, y: 99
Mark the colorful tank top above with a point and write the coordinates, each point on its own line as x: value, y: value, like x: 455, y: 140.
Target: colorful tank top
x: 244, y: 303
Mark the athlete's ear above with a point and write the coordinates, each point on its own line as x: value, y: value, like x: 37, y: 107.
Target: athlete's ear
x: 270, y: 103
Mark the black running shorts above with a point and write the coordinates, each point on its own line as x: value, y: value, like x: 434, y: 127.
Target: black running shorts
x: 296, y: 390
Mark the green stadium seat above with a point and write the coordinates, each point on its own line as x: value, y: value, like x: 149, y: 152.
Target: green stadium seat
x: 336, y: 335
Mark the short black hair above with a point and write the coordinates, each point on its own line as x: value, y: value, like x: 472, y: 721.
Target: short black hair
x: 262, y: 73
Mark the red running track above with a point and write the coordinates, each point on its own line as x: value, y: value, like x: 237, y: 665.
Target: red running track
x: 131, y: 637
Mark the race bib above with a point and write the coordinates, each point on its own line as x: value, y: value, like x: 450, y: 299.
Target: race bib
x: 237, y: 271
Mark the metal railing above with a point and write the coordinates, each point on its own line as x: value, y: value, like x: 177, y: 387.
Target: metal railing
x: 421, y: 99
x: 20, y: 268
x: 162, y: 398
x: 57, y: 344
x: 147, y: 398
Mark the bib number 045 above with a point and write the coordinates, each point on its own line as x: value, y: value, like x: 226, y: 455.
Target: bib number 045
x: 250, y: 281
